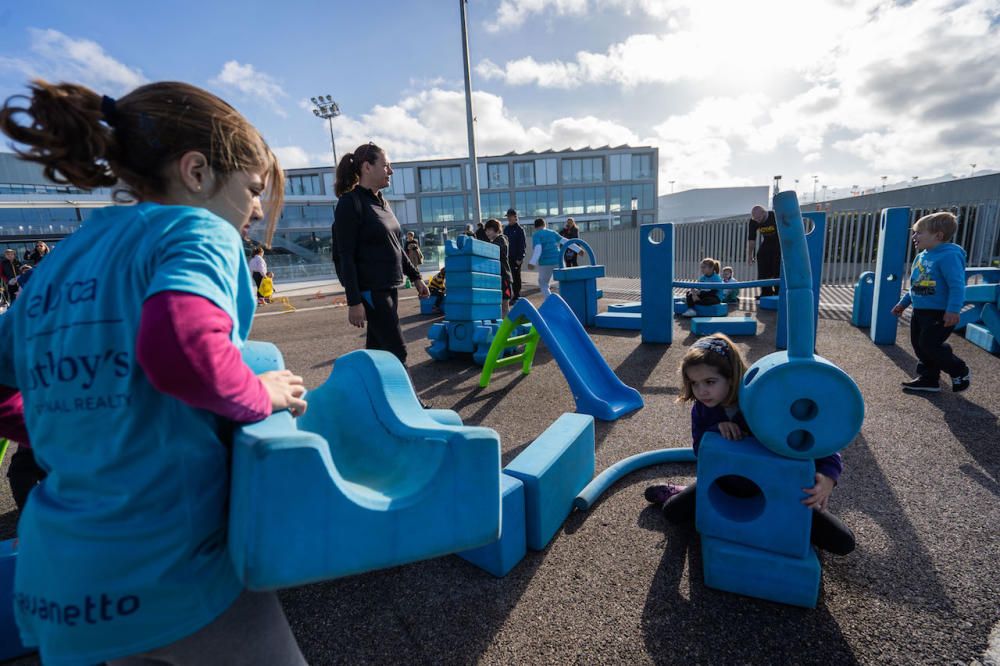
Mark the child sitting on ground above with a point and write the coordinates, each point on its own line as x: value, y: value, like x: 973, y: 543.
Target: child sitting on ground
x: 730, y: 295
x: 709, y: 273
x: 266, y: 288
x: 711, y: 374
x: 437, y: 288
x: 937, y: 291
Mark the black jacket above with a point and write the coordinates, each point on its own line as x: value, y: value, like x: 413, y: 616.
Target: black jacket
x: 501, y: 242
x: 9, y: 268
x: 370, y: 247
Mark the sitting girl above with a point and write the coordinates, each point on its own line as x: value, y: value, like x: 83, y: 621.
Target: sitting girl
x: 711, y: 372
x: 730, y: 295
x: 709, y: 273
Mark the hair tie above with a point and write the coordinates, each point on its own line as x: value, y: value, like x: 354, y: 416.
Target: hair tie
x: 109, y: 111
x: 717, y: 345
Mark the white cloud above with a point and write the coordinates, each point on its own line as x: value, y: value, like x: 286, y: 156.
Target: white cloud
x: 513, y: 13
x: 292, y: 157
x: 246, y: 80
x: 58, y: 57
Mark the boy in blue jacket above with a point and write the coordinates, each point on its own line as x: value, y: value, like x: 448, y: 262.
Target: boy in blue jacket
x: 937, y: 291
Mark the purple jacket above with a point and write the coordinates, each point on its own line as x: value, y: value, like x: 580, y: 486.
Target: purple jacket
x: 707, y: 419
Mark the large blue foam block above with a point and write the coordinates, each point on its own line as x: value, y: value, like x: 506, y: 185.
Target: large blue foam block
x: 717, y: 310
x: 365, y: 479
x: 631, y: 306
x: 864, y: 293
x: 773, y: 519
x: 467, y: 296
x: 471, y: 264
x: 980, y: 336
x: 554, y: 468
x: 727, y: 325
x: 471, y: 312
x: 768, y: 302
x: 10, y: 640
x: 625, y: 321
x: 427, y: 306
x: 656, y: 259
x: 894, y: 234
x: 469, y: 280
x: 500, y: 557
x: 731, y: 567
x: 471, y: 247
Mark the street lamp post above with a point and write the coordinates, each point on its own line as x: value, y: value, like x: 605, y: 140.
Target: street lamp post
x: 815, y: 181
x: 326, y: 108
x: 973, y: 165
x: 884, y: 178
x: 672, y: 186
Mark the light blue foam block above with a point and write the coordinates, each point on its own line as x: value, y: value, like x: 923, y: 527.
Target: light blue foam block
x: 500, y: 557
x: 554, y: 468
x: 717, y: 310
x: 773, y: 519
x: 864, y: 293
x: 469, y: 312
x: 631, y: 306
x: 473, y: 281
x: 680, y: 306
x: 980, y: 336
x: 427, y: 305
x: 365, y: 479
x: 467, y: 296
x: 727, y: 325
x: 468, y: 263
x: 731, y: 567
x: 573, y: 274
x: 626, y: 321
x: 472, y: 247
x: 768, y: 302
x: 10, y: 640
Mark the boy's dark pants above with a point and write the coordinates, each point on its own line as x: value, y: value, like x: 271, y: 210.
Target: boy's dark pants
x: 927, y: 335
x: 769, y: 265
x: 438, y: 297
x: 23, y: 474
x: 383, y: 323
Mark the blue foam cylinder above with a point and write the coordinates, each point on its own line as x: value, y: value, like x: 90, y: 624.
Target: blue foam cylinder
x: 500, y: 557
x: 612, y: 474
x: 773, y: 520
x: 727, y: 325
x: 732, y: 567
x: 864, y: 294
x: 554, y: 469
x: 894, y: 233
x: 801, y: 407
x: 657, y: 272
x: 10, y: 639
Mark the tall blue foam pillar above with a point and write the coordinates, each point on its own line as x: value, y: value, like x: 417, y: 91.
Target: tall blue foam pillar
x: 657, y: 272
x: 814, y: 243
x: 894, y: 231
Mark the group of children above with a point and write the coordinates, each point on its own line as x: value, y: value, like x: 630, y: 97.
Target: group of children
x: 710, y: 272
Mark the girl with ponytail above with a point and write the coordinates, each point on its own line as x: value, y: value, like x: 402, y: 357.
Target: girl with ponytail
x: 129, y: 367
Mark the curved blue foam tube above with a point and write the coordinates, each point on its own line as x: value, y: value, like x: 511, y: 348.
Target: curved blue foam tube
x: 772, y: 282
x: 588, y: 496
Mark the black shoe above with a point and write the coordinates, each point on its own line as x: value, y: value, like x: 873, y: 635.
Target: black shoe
x: 425, y: 405
x: 959, y: 384
x: 661, y: 493
x: 925, y: 384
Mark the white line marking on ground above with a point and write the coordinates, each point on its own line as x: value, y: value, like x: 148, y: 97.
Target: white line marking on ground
x: 316, y: 307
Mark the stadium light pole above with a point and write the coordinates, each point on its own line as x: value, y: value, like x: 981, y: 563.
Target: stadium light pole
x: 973, y: 165
x: 815, y: 181
x: 328, y: 109
x: 470, y: 119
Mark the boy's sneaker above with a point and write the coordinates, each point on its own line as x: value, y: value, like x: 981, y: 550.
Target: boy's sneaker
x: 661, y: 493
x: 925, y: 384
x: 690, y: 312
x: 959, y: 384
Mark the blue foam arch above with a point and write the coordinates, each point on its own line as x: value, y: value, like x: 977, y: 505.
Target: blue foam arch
x: 590, y: 494
x: 365, y: 479
x: 596, y: 389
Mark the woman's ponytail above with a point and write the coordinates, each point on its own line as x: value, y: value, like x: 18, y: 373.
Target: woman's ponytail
x: 348, y: 174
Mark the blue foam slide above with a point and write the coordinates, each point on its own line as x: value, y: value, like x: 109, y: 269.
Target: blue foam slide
x: 590, y: 494
x: 10, y: 639
x: 732, y: 567
x: 365, y: 479
x: 727, y: 325
x: 596, y: 388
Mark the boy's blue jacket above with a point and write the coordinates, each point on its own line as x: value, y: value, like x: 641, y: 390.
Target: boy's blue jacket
x: 937, y: 281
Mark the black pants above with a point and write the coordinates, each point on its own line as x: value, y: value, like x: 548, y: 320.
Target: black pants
x: 706, y: 297
x: 515, y: 276
x: 384, y: 331
x: 828, y: 532
x: 769, y: 265
x: 438, y: 297
x: 572, y: 259
x: 927, y: 335
x: 23, y: 475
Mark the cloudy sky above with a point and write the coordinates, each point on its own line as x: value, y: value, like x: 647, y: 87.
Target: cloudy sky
x: 731, y: 91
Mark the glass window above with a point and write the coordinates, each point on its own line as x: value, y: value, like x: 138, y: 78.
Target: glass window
x: 441, y: 179
x: 573, y: 199
x: 498, y: 175
x: 524, y: 174
x: 642, y: 166
x: 545, y: 172
x: 442, y: 209
x: 620, y: 166
x: 584, y: 170
x: 537, y: 203
x: 494, y: 205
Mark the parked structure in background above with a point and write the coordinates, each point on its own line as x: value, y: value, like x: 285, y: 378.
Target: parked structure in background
x: 711, y: 203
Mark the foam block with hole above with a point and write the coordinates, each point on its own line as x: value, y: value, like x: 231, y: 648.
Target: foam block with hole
x: 727, y: 325
x: 774, y: 519
x: 732, y: 567
x: 554, y: 469
x: 500, y: 557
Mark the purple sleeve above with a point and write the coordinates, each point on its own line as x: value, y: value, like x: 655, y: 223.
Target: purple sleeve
x: 830, y: 466
x: 184, y: 346
x: 12, y: 416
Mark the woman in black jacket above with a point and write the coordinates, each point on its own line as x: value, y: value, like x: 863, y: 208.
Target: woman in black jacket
x: 570, y: 231
x: 369, y: 241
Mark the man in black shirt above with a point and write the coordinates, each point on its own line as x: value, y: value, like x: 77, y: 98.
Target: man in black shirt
x: 768, y: 255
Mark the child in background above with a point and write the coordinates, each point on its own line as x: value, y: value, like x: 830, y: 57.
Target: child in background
x: 711, y: 373
x: 258, y: 265
x: 494, y: 234
x: 730, y: 295
x: 266, y: 288
x: 547, y: 255
x: 437, y: 288
x: 937, y: 291
x: 709, y: 273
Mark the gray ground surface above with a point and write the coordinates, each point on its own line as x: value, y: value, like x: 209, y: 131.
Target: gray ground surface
x: 617, y: 585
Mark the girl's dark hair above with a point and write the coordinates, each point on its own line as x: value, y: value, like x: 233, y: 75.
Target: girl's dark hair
x: 723, y: 356
x: 539, y: 222
x: 91, y: 141
x: 349, y: 168
x: 714, y: 263
x: 493, y: 225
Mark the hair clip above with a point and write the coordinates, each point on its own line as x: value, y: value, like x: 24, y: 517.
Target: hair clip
x: 718, y: 345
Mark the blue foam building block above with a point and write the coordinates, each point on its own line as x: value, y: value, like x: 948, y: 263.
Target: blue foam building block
x: 469, y: 246
x: 365, y: 479
x: 731, y: 567
x: 727, y: 325
x: 554, y: 469
x: 467, y: 296
x: 768, y: 303
x: 656, y: 267
x: 717, y: 310
x: 427, y: 305
x: 980, y: 336
x: 625, y: 321
x: 473, y: 280
x: 631, y: 306
x: 500, y: 557
x: 773, y: 519
x: 864, y: 293
x: 438, y: 335
x: 469, y: 312
x: 10, y: 639
x: 982, y: 293
x: 578, y: 273
x: 680, y: 306
x: 470, y: 264
x: 894, y: 231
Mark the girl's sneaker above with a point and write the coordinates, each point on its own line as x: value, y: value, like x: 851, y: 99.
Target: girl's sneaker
x: 661, y: 493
